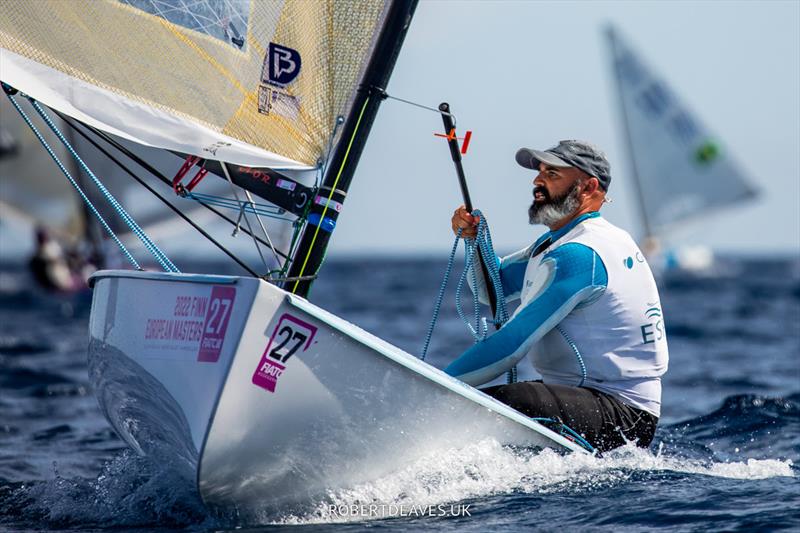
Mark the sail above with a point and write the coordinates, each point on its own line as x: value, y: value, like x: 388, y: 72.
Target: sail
x: 255, y: 83
x: 681, y: 168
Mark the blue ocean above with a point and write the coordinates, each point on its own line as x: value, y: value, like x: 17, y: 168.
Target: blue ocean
x: 726, y: 456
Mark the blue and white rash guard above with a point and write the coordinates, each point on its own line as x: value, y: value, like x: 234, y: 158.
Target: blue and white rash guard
x: 589, y: 316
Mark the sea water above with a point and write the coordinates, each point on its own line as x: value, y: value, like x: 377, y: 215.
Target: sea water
x: 726, y: 455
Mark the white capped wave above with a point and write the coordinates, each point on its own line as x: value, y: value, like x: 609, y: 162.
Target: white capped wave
x: 486, y: 468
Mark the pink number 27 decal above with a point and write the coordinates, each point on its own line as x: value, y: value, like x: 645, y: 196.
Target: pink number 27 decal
x: 289, y: 336
x: 218, y: 315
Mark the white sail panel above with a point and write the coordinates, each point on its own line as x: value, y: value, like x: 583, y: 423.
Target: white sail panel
x: 252, y: 83
x: 682, y: 169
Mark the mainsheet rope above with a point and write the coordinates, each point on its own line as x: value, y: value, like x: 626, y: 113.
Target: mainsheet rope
x: 481, y: 242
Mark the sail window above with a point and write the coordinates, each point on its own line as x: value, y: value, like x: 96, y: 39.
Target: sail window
x: 225, y: 20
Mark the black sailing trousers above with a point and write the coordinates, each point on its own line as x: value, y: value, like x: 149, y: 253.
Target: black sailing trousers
x: 599, y: 418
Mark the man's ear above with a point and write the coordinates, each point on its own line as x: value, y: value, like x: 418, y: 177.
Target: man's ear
x: 591, y: 186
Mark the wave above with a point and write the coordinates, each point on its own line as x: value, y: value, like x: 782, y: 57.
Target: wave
x: 745, y: 426
x: 746, y: 409
x: 134, y: 491
x: 18, y: 378
x: 485, y: 469
x: 720, y: 444
x: 131, y: 491
x: 13, y: 346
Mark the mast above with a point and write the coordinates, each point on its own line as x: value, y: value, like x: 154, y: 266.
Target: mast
x: 612, y: 39
x: 339, y: 173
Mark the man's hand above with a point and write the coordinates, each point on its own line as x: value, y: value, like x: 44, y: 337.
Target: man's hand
x: 467, y: 223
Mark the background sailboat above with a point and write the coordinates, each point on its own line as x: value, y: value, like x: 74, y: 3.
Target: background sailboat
x: 29, y: 191
x: 680, y: 170
x: 34, y: 198
x: 48, y: 212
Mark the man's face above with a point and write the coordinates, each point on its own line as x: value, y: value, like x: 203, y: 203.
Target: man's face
x: 555, y: 194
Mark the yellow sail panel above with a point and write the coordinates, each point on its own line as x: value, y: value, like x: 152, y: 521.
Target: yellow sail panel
x: 244, y: 81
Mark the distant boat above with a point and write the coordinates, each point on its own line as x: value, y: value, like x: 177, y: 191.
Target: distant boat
x: 66, y: 234
x: 679, y: 168
x: 39, y: 200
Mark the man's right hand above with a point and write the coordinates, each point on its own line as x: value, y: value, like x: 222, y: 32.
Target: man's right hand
x: 464, y: 221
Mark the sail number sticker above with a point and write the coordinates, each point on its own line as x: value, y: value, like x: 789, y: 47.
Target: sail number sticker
x: 290, y: 336
x: 216, y: 323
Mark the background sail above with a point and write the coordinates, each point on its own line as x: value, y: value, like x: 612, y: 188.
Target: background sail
x: 681, y: 168
x: 28, y: 191
x: 248, y: 82
x: 34, y: 192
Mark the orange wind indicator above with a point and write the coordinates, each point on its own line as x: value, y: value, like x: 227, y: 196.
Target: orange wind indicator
x: 452, y: 137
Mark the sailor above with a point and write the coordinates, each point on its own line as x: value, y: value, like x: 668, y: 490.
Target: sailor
x: 589, y: 316
x: 49, y: 265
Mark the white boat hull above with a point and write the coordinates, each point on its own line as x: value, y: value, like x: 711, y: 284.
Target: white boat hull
x: 268, y: 401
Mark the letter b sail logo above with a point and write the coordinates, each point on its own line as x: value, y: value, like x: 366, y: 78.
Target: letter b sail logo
x: 281, y: 66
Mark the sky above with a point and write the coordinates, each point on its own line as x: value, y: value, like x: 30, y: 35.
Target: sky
x: 529, y: 73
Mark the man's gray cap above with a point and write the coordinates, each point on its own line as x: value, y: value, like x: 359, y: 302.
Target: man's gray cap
x: 570, y: 153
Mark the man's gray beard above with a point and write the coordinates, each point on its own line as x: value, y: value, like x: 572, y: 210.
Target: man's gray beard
x: 552, y: 212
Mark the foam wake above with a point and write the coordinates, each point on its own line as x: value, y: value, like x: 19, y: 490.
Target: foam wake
x: 486, y: 468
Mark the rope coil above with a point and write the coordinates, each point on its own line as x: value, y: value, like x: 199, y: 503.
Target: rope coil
x: 481, y: 242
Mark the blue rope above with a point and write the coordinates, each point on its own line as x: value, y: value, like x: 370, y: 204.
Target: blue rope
x: 481, y: 328
x: 511, y: 375
x: 438, y: 305
x: 566, y: 431
x: 149, y: 244
x: 74, y: 183
x: 576, y: 352
x: 482, y: 242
